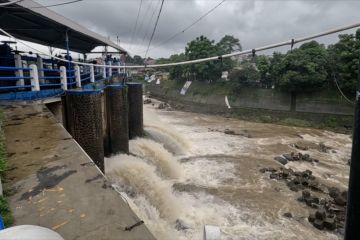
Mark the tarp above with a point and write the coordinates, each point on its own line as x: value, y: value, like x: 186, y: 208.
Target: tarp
x: 28, y: 20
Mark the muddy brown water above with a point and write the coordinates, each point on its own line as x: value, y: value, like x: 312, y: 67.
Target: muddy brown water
x: 217, y: 181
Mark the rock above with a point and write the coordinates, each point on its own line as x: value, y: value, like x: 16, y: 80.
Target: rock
x: 274, y: 176
x: 147, y: 101
x: 161, y: 106
x: 286, y: 173
x: 181, y: 225
x: 319, y: 224
x: 288, y: 215
x: 311, y: 218
x: 339, y: 200
x: 329, y: 223
x: 301, y: 147
x: 263, y: 170
x: 270, y: 169
x: 306, y: 194
x: 281, y: 160
x: 334, y: 192
x: 288, y: 157
x: 344, y: 194
x: 324, y: 148
x: 320, y: 214
x: 230, y: 132
x: 306, y: 173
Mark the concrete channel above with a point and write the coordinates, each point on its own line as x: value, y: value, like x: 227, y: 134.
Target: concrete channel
x: 55, y: 184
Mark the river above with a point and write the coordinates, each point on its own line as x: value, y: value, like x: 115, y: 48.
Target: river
x: 187, y: 172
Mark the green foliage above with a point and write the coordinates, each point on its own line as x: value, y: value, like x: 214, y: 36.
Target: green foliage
x: 5, y: 212
x: 344, y: 60
x: 4, y: 206
x: 246, y: 76
x: 304, y: 68
x: 263, y: 66
x: 202, y: 47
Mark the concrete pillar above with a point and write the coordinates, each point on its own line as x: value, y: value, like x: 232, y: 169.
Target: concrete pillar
x: 34, y: 78
x: 77, y: 76
x: 40, y: 65
x: 63, y: 77
x: 92, y: 74
x: 135, y: 99
x: 19, y: 73
x: 83, y: 120
x: 119, y: 69
x: 117, y: 120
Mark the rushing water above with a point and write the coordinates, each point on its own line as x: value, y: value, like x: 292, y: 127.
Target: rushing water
x: 187, y: 173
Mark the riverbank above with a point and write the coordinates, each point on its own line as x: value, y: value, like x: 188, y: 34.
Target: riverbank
x: 262, y: 105
x: 53, y: 183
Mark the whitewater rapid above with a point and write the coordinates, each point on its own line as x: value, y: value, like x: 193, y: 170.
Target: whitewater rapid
x: 187, y: 173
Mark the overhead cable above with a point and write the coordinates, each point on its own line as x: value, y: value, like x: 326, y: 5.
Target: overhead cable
x: 9, y: 3
x: 47, y: 6
x: 155, y: 26
x: 136, y: 22
x: 189, y: 26
x: 237, y: 53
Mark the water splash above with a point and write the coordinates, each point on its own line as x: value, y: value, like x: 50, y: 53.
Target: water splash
x: 172, y: 140
x: 158, y: 155
x: 136, y: 176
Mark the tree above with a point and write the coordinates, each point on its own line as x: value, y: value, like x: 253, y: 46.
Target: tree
x: 228, y: 44
x: 263, y: 65
x: 178, y: 72
x: 246, y: 76
x: 304, y: 69
x: 344, y: 59
x: 202, y: 47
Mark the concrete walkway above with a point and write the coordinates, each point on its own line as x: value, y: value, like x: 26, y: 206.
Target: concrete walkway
x: 55, y: 184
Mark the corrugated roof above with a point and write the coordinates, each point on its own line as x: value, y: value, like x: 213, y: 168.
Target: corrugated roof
x: 30, y: 21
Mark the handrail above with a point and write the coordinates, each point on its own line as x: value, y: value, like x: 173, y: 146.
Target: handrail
x: 12, y: 78
x: 16, y: 87
x: 14, y: 68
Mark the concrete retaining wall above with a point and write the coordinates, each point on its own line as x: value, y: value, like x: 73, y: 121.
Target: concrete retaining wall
x: 269, y: 99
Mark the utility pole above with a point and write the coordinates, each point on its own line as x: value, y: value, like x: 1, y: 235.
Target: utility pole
x: 352, y: 226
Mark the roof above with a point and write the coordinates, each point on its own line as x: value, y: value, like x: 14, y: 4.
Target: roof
x: 30, y: 21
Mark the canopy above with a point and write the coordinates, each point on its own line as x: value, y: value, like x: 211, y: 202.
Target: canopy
x: 30, y: 21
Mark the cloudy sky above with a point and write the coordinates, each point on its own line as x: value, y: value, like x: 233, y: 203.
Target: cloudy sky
x: 254, y: 22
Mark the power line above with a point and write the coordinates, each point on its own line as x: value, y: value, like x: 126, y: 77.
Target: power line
x: 238, y: 53
x: 9, y: 3
x: 46, y: 6
x: 148, y: 25
x: 156, y: 23
x: 189, y: 26
x: 341, y: 92
x: 143, y: 19
x: 136, y: 22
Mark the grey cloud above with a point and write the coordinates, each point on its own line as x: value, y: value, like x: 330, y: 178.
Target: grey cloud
x: 255, y: 23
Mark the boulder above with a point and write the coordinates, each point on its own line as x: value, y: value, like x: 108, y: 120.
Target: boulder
x: 319, y: 224
x: 339, y: 200
x: 320, y: 214
x: 281, y: 160
x: 306, y: 194
x: 161, y: 106
x: 229, y: 132
x: 147, y: 101
x: 311, y: 218
x: 329, y: 223
x: 180, y: 225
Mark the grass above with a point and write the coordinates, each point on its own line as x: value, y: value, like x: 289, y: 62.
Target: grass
x: 4, y: 205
